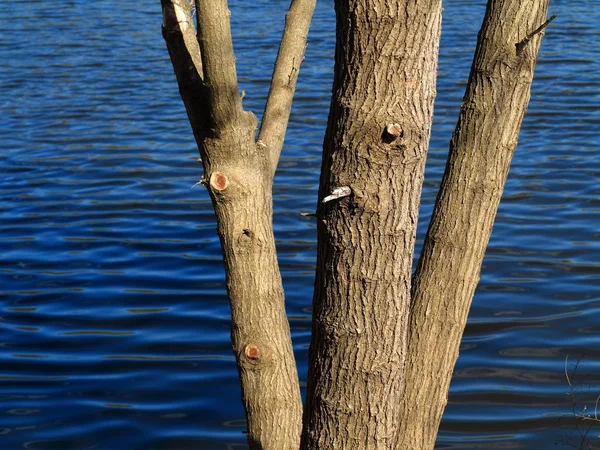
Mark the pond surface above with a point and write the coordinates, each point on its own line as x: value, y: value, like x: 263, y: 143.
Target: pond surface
x: 113, y: 314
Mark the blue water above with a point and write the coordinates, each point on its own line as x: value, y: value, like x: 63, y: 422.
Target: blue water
x: 114, y: 323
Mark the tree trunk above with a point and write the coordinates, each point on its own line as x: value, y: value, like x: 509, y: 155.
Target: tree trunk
x: 376, y: 380
x: 383, y: 345
x: 481, y: 149
x: 376, y: 144
x: 239, y: 176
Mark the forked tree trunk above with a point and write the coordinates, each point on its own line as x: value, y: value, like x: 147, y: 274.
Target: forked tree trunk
x: 376, y: 144
x: 481, y: 149
x: 239, y: 176
x: 383, y: 347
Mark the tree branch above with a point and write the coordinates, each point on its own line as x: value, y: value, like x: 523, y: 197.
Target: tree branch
x: 448, y: 271
x: 218, y: 59
x: 523, y: 42
x: 239, y: 180
x: 285, y: 75
x: 179, y: 34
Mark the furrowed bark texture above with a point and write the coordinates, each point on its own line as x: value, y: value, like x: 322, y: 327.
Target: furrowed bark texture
x: 481, y: 149
x: 239, y: 176
x: 240, y: 186
x: 376, y: 143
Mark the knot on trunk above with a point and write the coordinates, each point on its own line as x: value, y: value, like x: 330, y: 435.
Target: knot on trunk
x: 219, y: 181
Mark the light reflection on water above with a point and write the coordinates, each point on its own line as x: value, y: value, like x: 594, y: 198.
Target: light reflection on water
x: 113, y: 300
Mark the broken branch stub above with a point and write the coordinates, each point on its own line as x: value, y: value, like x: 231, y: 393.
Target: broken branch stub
x: 340, y: 192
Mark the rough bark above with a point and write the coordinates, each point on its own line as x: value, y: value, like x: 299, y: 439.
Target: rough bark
x: 481, y: 149
x: 376, y: 144
x: 382, y: 350
x: 285, y: 75
x: 239, y: 176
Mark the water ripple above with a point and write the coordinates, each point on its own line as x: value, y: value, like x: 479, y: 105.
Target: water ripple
x: 114, y: 318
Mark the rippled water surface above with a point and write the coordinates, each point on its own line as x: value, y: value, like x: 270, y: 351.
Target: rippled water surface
x: 113, y: 314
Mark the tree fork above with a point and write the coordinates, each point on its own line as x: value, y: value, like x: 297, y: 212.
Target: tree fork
x: 481, y: 150
x: 239, y: 176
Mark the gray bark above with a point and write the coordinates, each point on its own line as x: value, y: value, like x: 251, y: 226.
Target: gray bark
x: 239, y: 176
x: 384, y: 345
x: 376, y: 143
x: 481, y: 149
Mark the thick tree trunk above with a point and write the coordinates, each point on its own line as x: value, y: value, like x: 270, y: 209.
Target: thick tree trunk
x: 481, y: 149
x: 239, y: 176
x: 382, y: 350
x: 376, y: 144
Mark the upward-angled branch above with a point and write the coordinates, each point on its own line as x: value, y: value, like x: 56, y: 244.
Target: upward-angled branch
x: 285, y: 74
x: 238, y: 175
x: 180, y: 36
x: 218, y: 59
x: 481, y: 149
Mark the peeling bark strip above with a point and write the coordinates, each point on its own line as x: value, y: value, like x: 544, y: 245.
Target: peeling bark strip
x: 240, y: 176
x: 384, y: 87
x: 481, y: 149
